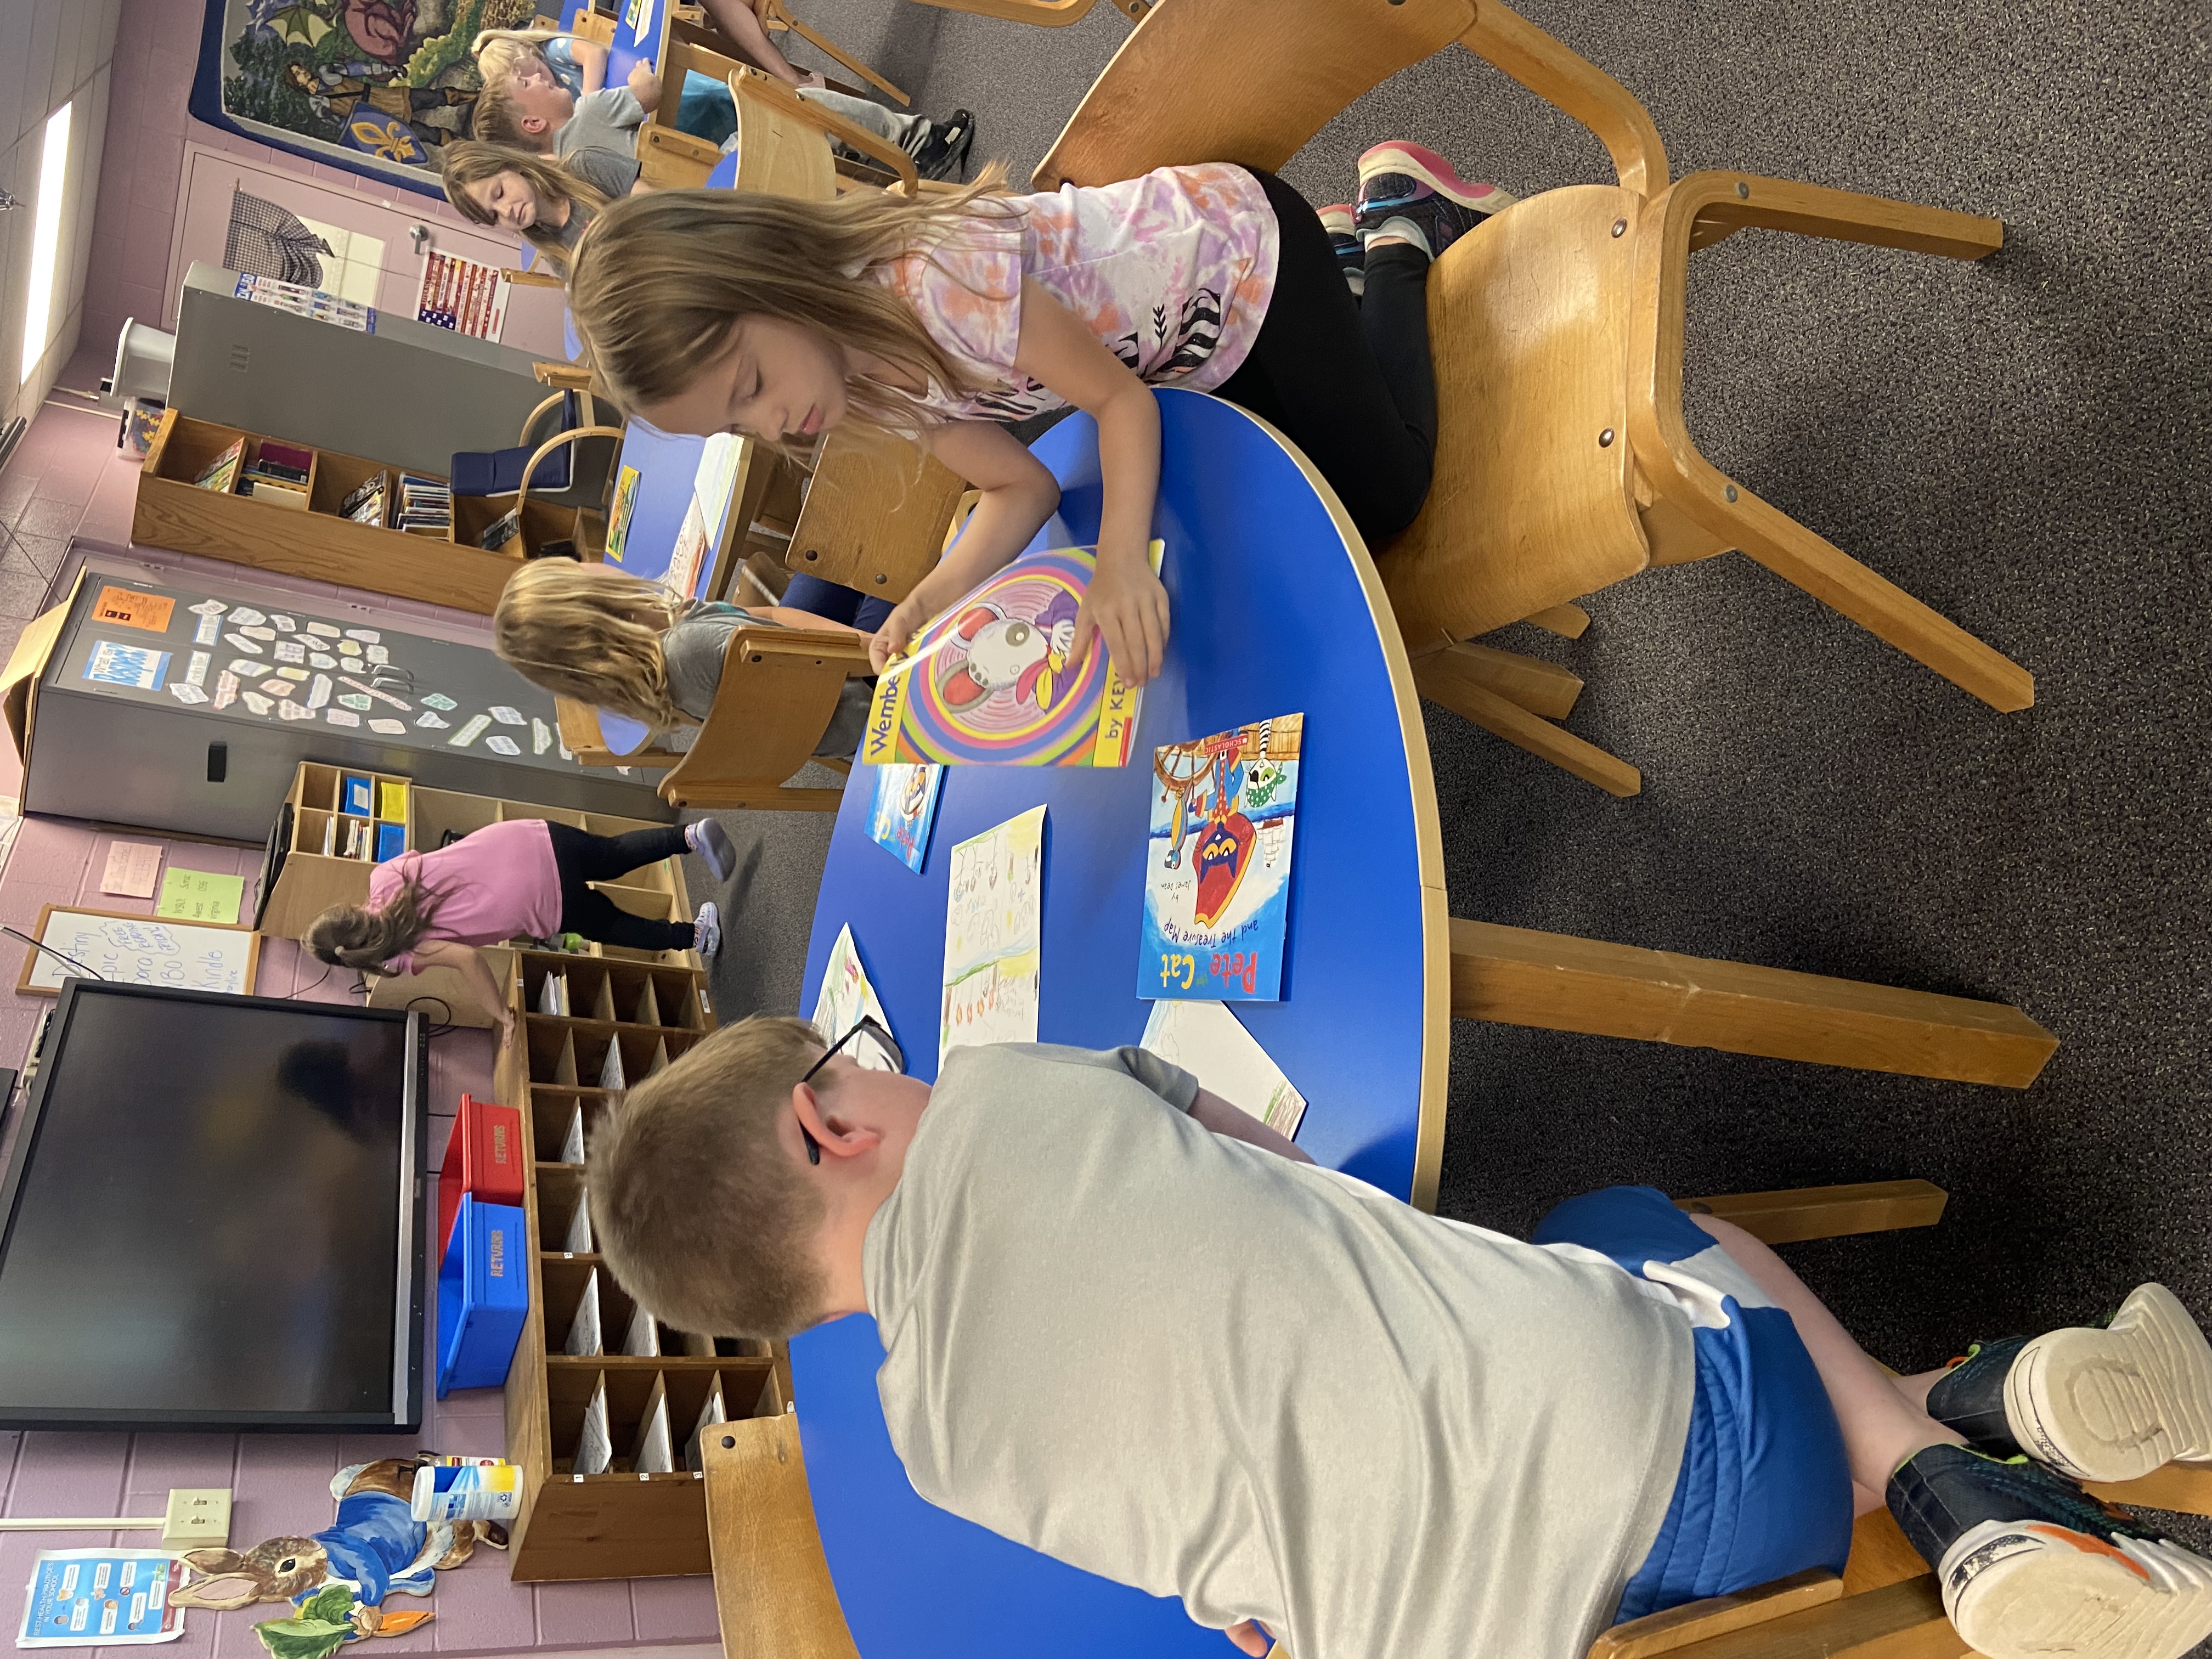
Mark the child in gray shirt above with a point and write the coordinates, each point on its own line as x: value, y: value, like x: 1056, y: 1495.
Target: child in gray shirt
x: 1364, y: 1430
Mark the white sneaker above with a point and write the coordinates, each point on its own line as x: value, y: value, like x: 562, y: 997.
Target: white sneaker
x: 2115, y: 1404
x: 707, y: 927
x: 2030, y: 1591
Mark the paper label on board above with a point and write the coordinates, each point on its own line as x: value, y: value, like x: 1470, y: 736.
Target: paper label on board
x: 469, y: 733
x: 430, y: 722
x: 287, y: 709
x: 439, y: 700
x: 132, y: 868
x: 277, y: 688
x: 328, y: 630
x: 126, y: 607
x: 237, y: 642
x: 297, y: 676
x: 256, y: 701
x: 207, y: 630
x: 388, y: 729
x: 366, y: 636
x: 285, y: 651
x: 225, y: 689
x: 196, y: 672
x: 188, y: 694
x: 245, y: 616
x: 256, y: 633
x: 541, y: 736
x: 247, y: 666
x: 139, y: 666
x: 318, y: 660
x: 207, y: 608
x: 504, y: 715
x: 283, y: 625
x: 502, y: 746
x: 318, y: 691
x: 340, y: 717
x: 378, y: 655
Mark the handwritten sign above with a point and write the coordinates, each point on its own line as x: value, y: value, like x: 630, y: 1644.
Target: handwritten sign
x: 133, y: 950
x: 199, y: 896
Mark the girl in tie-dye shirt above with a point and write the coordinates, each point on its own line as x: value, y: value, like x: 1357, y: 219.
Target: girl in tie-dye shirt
x: 948, y: 316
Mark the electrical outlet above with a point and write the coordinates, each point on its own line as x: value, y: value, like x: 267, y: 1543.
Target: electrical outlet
x: 197, y: 1517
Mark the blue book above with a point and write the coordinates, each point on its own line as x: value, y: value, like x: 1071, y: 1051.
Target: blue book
x: 390, y: 841
x: 357, y: 795
x: 902, y: 808
x: 1217, y: 863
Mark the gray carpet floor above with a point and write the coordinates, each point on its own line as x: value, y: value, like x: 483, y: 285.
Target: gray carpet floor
x: 2023, y: 444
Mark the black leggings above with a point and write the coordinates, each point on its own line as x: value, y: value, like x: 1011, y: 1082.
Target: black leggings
x: 1349, y: 380
x: 582, y: 858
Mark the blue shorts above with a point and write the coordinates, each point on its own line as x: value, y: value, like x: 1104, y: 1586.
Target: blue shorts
x: 1765, y: 1489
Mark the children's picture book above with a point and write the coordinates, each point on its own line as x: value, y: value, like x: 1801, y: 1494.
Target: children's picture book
x: 845, y: 997
x: 993, y: 928
x: 1208, y: 1041
x: 618, y: 517
x: 988, y: 682
x: 220, y: 473
x: 690, y: 560
x: 902, y: 808
x: 1218, y: 866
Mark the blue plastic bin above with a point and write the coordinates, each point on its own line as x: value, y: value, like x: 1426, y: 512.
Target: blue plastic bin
x: 483, y: 1298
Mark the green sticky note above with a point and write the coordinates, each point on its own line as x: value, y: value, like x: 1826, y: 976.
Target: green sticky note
x: 200, y: 896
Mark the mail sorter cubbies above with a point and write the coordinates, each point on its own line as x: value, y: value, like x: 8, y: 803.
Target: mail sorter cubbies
x: 315, y: 873
x: 623, y: 1522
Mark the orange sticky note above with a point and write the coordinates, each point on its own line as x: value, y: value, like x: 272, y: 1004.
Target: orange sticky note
x: 131, y: 609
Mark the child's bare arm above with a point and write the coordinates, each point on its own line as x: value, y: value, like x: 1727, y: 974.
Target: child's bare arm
x: 591, y: 59
x: 1018, y: 495
x: 1219, y: 1116
x: 1126, y: 603
x: 645, y: 87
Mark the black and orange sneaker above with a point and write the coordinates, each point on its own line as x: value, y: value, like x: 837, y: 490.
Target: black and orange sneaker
x: 2107, y: 1403
x: 2031, y: 1565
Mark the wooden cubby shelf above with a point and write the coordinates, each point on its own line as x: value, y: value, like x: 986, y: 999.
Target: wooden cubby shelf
x: 618, y: 1523
x: 319, y: 542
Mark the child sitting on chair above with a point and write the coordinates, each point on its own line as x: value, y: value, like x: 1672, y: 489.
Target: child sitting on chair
x: 548, y: 202
x: 650, y: 663
x: 528, y: 104
x: 947, y: 316
x: 527, y: 878
x: 1129, y: 1327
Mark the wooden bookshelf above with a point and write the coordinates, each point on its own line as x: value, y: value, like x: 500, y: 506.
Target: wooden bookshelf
x: 309, y: 881
x: 618, y: 1523
x: 320, y: 543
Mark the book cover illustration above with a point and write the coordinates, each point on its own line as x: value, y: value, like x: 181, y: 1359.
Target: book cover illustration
x: 1217, y: 863
x: 618, y: 519
x: 902, y: 810
x: 993, y: 926
x: 988, y: 682
x: 846, y: 995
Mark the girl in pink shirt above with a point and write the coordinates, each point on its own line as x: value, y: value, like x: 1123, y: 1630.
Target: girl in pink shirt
x: 527, y: 878
x: 947, y: 316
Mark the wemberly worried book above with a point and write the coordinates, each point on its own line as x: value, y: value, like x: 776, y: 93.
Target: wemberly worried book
x: 989, y: 683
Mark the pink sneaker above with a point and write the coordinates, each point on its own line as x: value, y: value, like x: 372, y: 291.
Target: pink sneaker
x: 1404, y: 181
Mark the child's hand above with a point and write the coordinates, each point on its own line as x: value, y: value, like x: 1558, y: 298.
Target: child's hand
x: 645, y: 86
x: 1127, y: 607
x: 898, y: 627
x: 1250, y: 1636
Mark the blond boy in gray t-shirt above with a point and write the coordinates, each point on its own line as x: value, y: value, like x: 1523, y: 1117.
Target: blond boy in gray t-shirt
x: 1365, y: 1430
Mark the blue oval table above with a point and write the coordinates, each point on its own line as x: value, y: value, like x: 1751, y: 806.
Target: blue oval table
x: 1276, y: 610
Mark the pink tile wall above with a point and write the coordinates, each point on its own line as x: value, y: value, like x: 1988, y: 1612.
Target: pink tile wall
x: 67, y: 481
x: 156, y: 50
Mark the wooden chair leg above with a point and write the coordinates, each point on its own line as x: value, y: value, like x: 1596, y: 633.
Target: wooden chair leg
x: 1542, y: 688
x: 1445, y: 678
x: 763, y: 797
x: 1570, y: 620
x: 1794, y: 1214
x: 1679, y: 475
x: 1521, y: 977
x: 1903, y: 1620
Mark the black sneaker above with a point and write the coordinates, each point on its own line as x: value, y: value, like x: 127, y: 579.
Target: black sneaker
x: 1402, y: 180
x: 2031, y: 1565
x: 940, y: 149
x: 2110, y: 1403
x: 1343, y: 236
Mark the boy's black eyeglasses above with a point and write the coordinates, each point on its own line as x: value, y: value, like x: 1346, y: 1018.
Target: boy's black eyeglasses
x: 883, y: 1040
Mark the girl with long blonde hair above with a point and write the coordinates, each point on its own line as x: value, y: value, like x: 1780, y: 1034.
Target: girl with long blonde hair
x: 547, y: 202
x: 946, y: 316
x: 650, y: 663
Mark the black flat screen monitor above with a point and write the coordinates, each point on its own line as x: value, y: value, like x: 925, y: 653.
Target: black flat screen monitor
x: 213, y: 1217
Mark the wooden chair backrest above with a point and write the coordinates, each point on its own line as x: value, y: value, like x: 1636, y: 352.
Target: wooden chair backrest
x: 778, y: 688
x: 780, y: 151
x: 1528, y: 327
x: 1162, y: 101
x: 772, y: 1591
x: 668, y: 159
x: 876, y: 514
x: 578, y: 725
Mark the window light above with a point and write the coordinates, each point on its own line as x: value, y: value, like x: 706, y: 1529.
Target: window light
x: 45, y: 241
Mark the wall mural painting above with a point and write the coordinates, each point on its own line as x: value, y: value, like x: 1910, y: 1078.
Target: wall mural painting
x: 376, y: 85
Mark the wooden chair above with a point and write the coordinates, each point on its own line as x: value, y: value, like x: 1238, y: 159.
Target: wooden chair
x: 776, y: 18
x: 778, y: 688
x: 1563, y: 464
